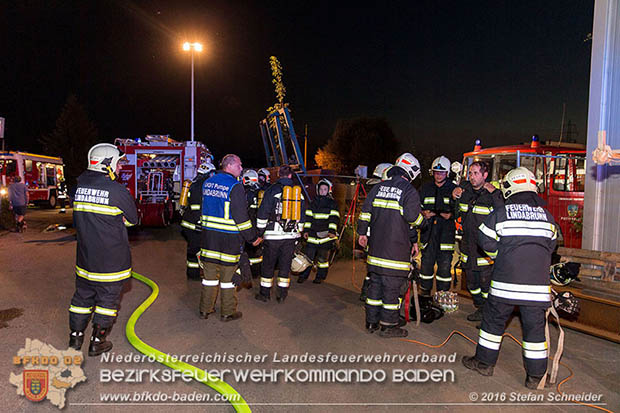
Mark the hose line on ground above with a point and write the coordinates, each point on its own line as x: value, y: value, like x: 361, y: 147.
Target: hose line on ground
x: 197, y: 374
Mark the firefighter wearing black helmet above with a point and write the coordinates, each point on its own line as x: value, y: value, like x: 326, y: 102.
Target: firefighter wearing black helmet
x: 320, y: 230
x: 190, y: 220
x: 389, y: 211
x: 521, y: 237
x: 101, y: 210
x: 438, y: 237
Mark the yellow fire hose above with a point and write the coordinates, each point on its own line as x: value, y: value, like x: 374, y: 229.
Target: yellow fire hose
x: 197, y: 374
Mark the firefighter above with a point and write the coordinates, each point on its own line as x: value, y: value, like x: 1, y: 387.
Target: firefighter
x: 438, y: 237
x: 476, y: 199
x: 251, y: 257
x: 264, y: 178
x: 320, y: 230
x: 102, y: 209
x: 281, y: 228
x: 521, y: 238
x: 225, y: 226
x: 190, y: 220
x: 390, y: 209
x: 379, y: 174
x: 62, y: 195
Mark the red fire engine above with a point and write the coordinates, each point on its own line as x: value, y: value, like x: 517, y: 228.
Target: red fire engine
x: 40, y: 173
x: 154, y: 171
x: 560, y: 170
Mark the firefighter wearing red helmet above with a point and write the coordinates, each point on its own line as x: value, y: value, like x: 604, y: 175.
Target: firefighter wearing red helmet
x: 102, y: 209
x: 520, y: 237
x: 388, y: 213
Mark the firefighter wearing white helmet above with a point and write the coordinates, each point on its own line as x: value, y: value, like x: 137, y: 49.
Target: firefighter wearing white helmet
x: 390, y: 210
x: 320, y: 230
x: 380, y: 173
x: 438, y: 237
x: 252, y: 256
x: 101, y: 211
x: 520, y: 237
x: 190, y: 220
x: 264, y: 178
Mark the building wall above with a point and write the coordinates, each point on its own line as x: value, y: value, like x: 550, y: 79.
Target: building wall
x: 601, y: 229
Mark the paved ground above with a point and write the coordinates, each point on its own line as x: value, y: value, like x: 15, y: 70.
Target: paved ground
x: 37, y: 278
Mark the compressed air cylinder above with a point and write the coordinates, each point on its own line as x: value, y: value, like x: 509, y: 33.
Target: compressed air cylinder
x: 184, y: 192
x: 296, y: 204
x: 260, y: 196
x: 287, y: 194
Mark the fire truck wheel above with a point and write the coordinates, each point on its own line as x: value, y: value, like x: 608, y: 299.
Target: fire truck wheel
x: 52, y: 201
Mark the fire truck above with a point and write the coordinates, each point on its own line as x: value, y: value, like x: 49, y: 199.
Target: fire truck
x: 154, y: 171
x: 40, y: 173
x: 560, y: 170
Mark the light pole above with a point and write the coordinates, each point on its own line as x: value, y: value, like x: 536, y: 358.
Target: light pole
x: 192, y: 47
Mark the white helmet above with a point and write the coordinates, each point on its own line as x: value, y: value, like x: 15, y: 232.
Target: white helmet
x: 518, y: 180
x: 380, y: 173
x: 410, y: 164
x: 441, y: 164
x: 250, y: 177
x: 324, y: 181
x: 104, y: 157
x: 300, y: 262
x: 206, y: 167
x: 264, y: 172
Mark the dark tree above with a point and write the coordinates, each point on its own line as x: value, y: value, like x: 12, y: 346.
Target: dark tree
x: 71, y: 139
x: 359, y: 141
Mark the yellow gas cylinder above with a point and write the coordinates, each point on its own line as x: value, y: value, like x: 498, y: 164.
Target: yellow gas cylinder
x: 287, y: 193
x: 185, y: 192
x: 296, y: 204
x: 260, y: 196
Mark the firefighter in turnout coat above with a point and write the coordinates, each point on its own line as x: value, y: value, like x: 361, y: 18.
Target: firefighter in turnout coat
x: 225, y: 227
x: 521, y: 237
x: 391, y: 208
x: 280, y: 218
x: 101, y: 211
x: 322, y: 218
x: 190, y: 221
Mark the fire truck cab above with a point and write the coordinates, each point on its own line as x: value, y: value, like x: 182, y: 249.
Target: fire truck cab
x: 560, y: 170
x: 154, y: 171
x: 40, y: 173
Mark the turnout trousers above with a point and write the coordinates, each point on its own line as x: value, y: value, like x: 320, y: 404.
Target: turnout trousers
x: 280, y: 253
x: 383, y: 299
x: 193, y: 247
x: 439, y: 249
x: 478, y: 283
x: 495, y: 315
x: 216, y: 277
x: 102, y: 298
x: 320, y: 253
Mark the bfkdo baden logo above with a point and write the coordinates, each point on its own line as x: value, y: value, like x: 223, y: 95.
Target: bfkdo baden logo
x: 35, y: 384
x: 47, y: 372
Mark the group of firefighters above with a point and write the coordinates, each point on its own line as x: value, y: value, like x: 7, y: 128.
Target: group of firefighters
x: 239, y: 226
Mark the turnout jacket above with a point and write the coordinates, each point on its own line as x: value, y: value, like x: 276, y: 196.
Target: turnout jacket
x: 322, y: 217
x: 225, y: 221
x: 192, y: 214
x: 268, y: 220
x: 520, y: 237
x: 438, y: 199
x: 473, y: 207
x: 102, y: 209
x: 251, y: 194
x: 391, y: 209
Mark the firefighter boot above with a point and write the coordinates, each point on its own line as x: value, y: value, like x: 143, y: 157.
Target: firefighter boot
x: 98, y: 343
x: 476, y: 315
x: 531, y: 382
x: 372, y: 327
x: 472, y: 363
x: 76, y: 339
x: 393, y: 332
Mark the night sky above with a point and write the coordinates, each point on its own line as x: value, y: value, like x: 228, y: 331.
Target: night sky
x: 442, y: 73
